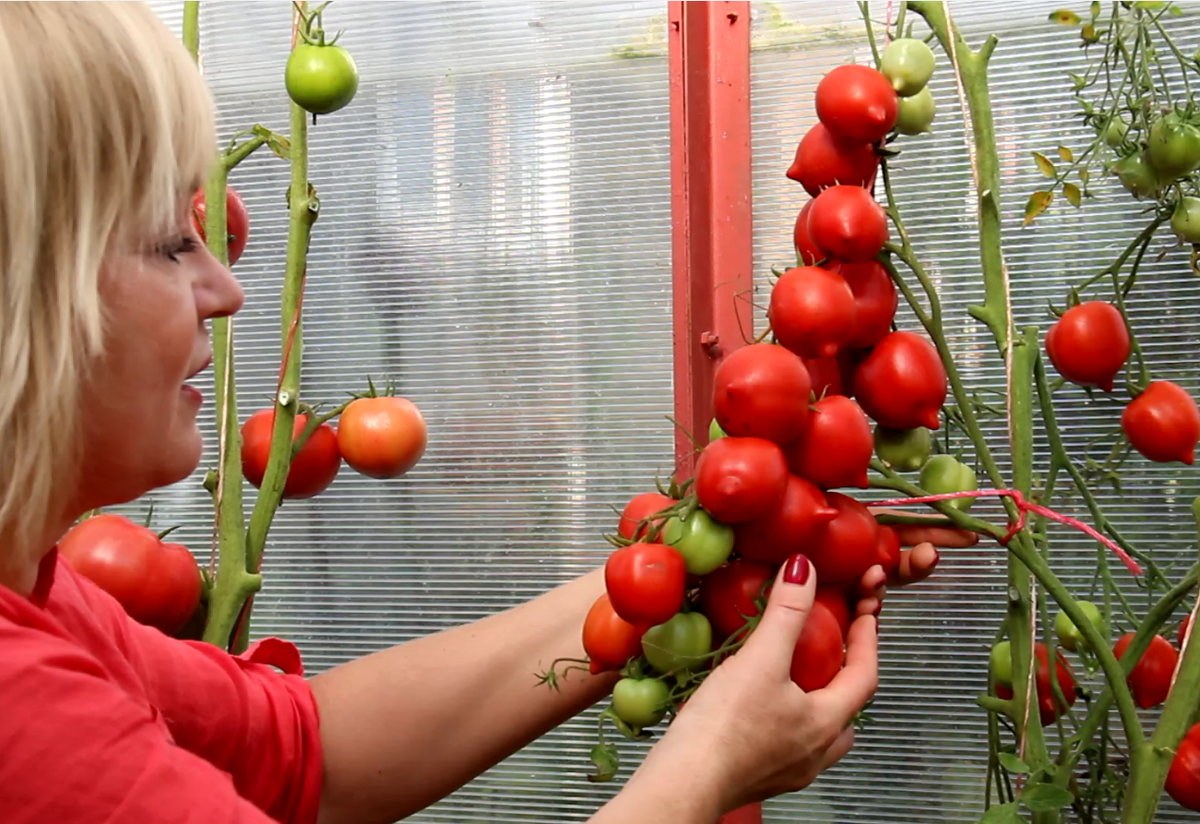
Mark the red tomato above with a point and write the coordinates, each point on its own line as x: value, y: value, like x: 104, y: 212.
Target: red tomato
x: 848, y: 545
x: 608, y: 639
x: 812, y: 311
x: 1045, y: 692
x: 826, y: 376
x: 639, y: 508
x: 645, y: 583
x: 158, y: 585
x: 820, y: 652
x: 857, y: 103
x: 1163, y: 423
x: 312, y: 470
x: 875, y: 301
x: 787, y: 530
x: 846, y: 223
x: 728, y: 593
x: 237, y: 221
x: 902, y: 383
x: 806, y: 250
x: 848, y: 361
x: 381, y: 437
x: 836, y: 447
x: 833, y: 598
x: 1150, y: 680
x: 740, y: 479
x: 1089, y: 344
x: 821, y: 162
x: 1183, y: 779
x: 888, y: 555
x: 761, y: 391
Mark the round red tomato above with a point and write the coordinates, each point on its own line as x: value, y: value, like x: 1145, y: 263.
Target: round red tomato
x: 1047, y: 704
x: 640, y: 508
x: 888, y: 555
x: 1089, y: 344
x: 848, y: 545
x: 312, y: 470
x: 608, y: 639
x: 857, y: 104
x: 740, y: 479
x: 821, y: 162
x: 902, y: 383
x: 1150, y: 680
x: 728, y: 594
x: 833, y: 598
x: 806, y: 251
x: 237, y: 221
x: 381, y: 437
x: 645, y: 583
x: 820, y: 652
x: 836, y: 447
x: 761, y: 391
x: 1163, y: 423
x: 1183, y: 779
x: 812, y: 311
x: 826, y: 376
x: 787, y: 530
x: 847, y: 224
x: 875, y: 301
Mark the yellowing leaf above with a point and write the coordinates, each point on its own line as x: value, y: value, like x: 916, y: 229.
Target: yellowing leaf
x: 1066, y: 154
x: 1072, y: 194
x: 1064, y: 17
x: 1045, y: 165
x: 1085, y: 176
x: 1088, y: 33
x: 1095, y: 9
x: 1038, y: 202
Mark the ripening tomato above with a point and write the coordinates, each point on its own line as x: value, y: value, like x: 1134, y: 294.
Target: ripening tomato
x: 641, y: 508
x: 1183, y: 779
x: 311, y: 471
x: 888, y: 549
x: 826, y: 376
x: 846, y: 546
x: 705, y: 544
x: 834, y: 599
x: 761, y: 391
x: 1089, y: 344
x: 836, y: 446
x: 1163, y: 423
x: 679, y: 644
x: 1150, y: 680
x: 1047, y: 703
x: 820, y: 651
x: 381, y: 437
x: 811, y: 312
x: 857, y: 104
x: 608, y: 639
x: 740, y: 479
x: 645, y: 583
x: 848, y: 224
x: 875, y: 301
x: 237, y: 221
x: 902, y: 383
x: 728, y: 595
x: 807, y: 253
x: 787, y: 530
x: 822, y: 161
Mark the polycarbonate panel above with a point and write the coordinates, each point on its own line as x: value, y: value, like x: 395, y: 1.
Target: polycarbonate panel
x: 923, y: 756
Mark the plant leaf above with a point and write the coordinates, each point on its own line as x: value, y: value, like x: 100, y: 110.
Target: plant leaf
x: 1013, y: 764
x: 1044, y: 163
x: 1085, y: 176
x: 1064, y: 17
x: 1002, y: 814
x: 1038, y: 202
x: 605, y: 759
x: 1095, y: 9
x: 1175, y: 10
x: 1066, y: 154
x: 1042, y: 798
x: 1072, y: 194
x: 1089, y: 34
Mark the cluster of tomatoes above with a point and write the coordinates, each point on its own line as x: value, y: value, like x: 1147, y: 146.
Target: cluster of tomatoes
x: 792, y: 423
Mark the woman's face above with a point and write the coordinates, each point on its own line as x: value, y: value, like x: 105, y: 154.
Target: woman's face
x: 139, y: 414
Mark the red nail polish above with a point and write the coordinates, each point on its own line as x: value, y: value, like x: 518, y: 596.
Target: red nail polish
x: 937, y: 556
x: 797, y: 570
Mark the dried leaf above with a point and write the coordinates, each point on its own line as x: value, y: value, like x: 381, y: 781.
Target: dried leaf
x: 1085, y: 176
x: 1072, y: 194
x: 1066, y: 154
x: 1065, y: 17
x: 1044, y: 164
x: 1038, y: 202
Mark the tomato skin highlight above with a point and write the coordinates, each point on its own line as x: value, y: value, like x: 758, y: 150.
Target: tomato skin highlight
x: 1163, y: 423
x: 608, y: 639
x: 902, y: 384
x: 846, y: 546
x: 740, y: 479
x: 787, y: 530
x: 311, y: 471
x: 1089, y: 344
x: 382, y: 437
x: 857, y: 104
x: 822, y: 161
x: 836, y: 447
x: 812, y: 312
x: 729, y: 593
x: 875, y: 301
x: 639, y: 508
x: 1183, y: 779
x: 237, y: 221
x: 761, y: 391
x: 848, y: 224
x: 1150, y: 680
x: 820, y: 651
x: 645, y: 583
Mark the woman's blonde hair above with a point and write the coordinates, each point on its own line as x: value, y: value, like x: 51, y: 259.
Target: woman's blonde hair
x: 107, y: 124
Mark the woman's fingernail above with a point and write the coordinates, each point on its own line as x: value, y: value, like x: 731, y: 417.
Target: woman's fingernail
x: 937, y: 556
x: 797, y: 570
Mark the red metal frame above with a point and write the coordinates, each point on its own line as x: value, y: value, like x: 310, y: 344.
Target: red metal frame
x: 711, y: 213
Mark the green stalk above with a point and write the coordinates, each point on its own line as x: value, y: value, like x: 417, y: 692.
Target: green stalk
x: 191, y: 28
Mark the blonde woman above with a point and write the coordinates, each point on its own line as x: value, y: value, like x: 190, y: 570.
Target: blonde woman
x: 104, y: 299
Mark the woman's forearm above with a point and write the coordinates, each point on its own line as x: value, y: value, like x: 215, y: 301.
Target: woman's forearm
x: 406, y: 726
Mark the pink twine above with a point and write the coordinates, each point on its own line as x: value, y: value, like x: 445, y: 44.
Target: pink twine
x: 1025, y: 507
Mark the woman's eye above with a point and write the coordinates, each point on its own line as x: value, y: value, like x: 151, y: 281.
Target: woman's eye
x: 177, y: 247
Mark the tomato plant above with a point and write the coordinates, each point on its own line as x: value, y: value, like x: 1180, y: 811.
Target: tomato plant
x: 856, y: 103
x: 313, y: 468
x: 943, y: 474
x: 836, y: 446
x: 679, y: 644
x: 786, y: 530
x: 237, y: 221
x: 1089, y: 344
x: 608, y: 639
x: 1150, y: 679
x: 902, y: 383
x: 740, y: 479
x: 381, y: 437
x: 875, y: 301
x: 728, y: 596
x: 812, y: 312
x: 761, y: 391
x: 645, y: 583
x: 1183, y: 779
x: 704, y: 543
x: 1163, y: 423
x: 820, y: 652
x: 1173, y: 148
x: 904, y: 450
x: 1049, y: 706
x: 908, y: 64
x: 823, y: 161
x: 641, y: 508
x: 847, y: 223
x: 321, y: 78
x: 847, y: 545
x: 1069, y: 636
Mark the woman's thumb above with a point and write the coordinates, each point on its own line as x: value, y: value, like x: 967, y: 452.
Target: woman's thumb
x: 787, y: 610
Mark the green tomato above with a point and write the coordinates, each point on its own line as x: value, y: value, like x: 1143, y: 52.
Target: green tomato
x: 679, y: 644
x: 1001, y: 665
x: 715, y: 432
x: 916, y: 113
x: 904, y: 450
x: 1138, y: 176
x: 944, y: 473
x: 640, y: 702
x: 907, y: 63
x: 1174, y: 147
x: 321, y: 79
x: 1114, y: 132
x: 703, y: 542
x: 1069, y: 636
x: 1185, y: 222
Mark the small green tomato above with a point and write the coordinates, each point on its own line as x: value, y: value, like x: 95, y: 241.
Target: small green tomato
x: 1185, y: 221
x: 640, y: 702
x: 908, y: 64
x: 1001, y: 665
x: 904, y: 450
x: 944, y: 473
x: 704, y: 542
x: 916, y: 113
x: 1069, y: 636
